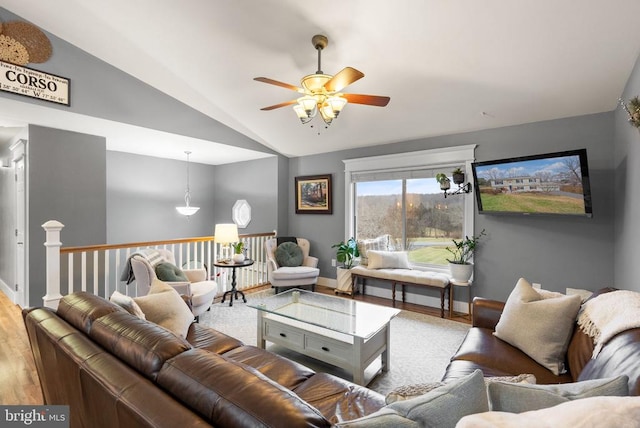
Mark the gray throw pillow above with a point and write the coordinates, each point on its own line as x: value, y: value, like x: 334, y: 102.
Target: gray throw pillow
x: 540, y: 324
x: 522, y: 397
x: 289, y: 254
x: 442, y: 407
x: 169, y: 272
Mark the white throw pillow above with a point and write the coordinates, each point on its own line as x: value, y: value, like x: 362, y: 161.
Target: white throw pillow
x: 603, y: 412
x: 127, y: 303
x: 164, y: 306
x: 539, y: 324
x: 381, y: 243
x: 388, y: 260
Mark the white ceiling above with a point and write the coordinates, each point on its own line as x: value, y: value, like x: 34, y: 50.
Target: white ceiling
x: 449, y: 66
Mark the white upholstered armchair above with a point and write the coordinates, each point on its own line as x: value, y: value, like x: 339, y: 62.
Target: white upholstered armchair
x: 288, y: 272
x: 198, y: 288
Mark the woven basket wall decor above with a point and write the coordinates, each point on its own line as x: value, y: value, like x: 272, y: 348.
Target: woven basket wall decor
x: 31, y: 37
x: 13, y: 51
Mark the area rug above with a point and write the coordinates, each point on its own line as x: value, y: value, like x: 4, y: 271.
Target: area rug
x: 421, y: 345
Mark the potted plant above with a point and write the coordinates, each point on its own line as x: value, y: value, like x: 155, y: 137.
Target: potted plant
x: 443, y: 180
x: 458, y: 176
x: 238, y: 255
x: 459, y: 266
x: 346, y: 252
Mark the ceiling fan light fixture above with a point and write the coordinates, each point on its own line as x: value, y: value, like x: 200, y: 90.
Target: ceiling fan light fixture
x: 322, y: 92
x: 301, y: 113
x: 327, y: 114
x: 314, y: 82
x: 336, y: 103
x: 308, y: 103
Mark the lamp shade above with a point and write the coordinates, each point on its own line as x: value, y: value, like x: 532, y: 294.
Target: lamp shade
x: 225, y: 233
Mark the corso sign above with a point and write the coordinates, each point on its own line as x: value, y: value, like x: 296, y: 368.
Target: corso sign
x: 33, y: 83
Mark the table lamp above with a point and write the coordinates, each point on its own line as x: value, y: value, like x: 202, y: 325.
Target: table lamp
x: 225, y: 234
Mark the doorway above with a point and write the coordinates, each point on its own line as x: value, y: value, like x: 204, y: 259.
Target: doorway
x: 19, y: 151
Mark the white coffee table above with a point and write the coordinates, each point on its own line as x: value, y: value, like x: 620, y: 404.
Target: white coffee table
x: 342, y: 332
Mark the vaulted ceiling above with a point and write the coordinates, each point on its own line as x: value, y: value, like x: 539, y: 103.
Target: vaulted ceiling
x: 449, y: 66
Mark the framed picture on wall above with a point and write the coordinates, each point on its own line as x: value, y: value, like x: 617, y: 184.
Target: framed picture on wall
x: 313, y: 194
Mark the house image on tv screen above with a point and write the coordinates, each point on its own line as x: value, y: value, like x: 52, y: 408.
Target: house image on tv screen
x: 524, y: 184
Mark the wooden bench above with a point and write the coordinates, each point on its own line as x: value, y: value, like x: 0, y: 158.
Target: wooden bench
x: 434, y: 280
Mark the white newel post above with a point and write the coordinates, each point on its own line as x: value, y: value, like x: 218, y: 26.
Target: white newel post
x: 53, y: 244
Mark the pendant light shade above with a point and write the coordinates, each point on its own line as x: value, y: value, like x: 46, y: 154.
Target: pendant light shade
x: 187, y: 209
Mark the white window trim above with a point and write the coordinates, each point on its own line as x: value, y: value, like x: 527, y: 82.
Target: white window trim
x: 433, y: 158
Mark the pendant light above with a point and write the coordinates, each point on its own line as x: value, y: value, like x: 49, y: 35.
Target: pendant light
x: 187, y: 210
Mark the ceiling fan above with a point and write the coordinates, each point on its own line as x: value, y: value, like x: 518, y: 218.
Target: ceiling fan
x: 321, y: 92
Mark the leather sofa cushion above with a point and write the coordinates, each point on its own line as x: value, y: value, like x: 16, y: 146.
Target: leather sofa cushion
x: 141, y: 344
x: 487, y: 351
x: 338, y: 399
x: 80, y: 309
x: 618, y: 357
x: 211, y: 340
x: 229, y: 393
x: 281, y: 370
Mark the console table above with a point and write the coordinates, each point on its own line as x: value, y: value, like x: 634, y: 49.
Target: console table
x: 233, y: 292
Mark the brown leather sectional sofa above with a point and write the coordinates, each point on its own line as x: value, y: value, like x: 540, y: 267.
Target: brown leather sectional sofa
x: 482, y: 350
x: 116, y: 370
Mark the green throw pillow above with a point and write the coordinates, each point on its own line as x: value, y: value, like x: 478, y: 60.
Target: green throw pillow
x: 289, y: 254
x: 170, y: 273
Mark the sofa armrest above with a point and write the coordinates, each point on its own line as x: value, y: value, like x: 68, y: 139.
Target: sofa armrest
x: 183, y: 288
x: 195, y: 275
x: 486, y: 312
x: 310, y: 261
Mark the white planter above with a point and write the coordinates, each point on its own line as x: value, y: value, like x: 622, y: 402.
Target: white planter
x: 238, y: 258
x: 343, y: 280
x: 461, y: 273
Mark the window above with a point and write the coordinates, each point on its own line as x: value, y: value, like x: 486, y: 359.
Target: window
x: 398, y: 195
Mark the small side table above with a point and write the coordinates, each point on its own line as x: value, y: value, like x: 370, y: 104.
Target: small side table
x: 233, y: 292
x: 454, y: 284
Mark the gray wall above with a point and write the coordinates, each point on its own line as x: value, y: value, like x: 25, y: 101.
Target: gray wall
x: 558, y: 252
x: 101, y: 90
x: 627, y: 197
x: 142, y: 193
x: 257, y: 182
x: 67, y: 182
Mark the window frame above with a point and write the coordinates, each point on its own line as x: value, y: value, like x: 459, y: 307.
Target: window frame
x: 440, y: 158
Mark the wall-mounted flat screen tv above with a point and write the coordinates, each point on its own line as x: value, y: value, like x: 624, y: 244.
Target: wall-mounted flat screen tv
x: 545, y: 184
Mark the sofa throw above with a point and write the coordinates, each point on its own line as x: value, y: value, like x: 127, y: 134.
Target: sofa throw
x: 289, y: 254
x: 608, y: 314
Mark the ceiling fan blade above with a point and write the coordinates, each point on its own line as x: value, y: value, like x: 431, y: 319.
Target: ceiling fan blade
x: 344, y: 78
x: 284, y: 104
x: 371, y: 100
x: 277, y: 83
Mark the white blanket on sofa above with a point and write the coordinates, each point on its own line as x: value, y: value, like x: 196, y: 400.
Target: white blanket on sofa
x: 609, y: 314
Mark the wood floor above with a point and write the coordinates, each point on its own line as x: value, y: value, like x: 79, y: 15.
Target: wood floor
x: 19, y: 383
